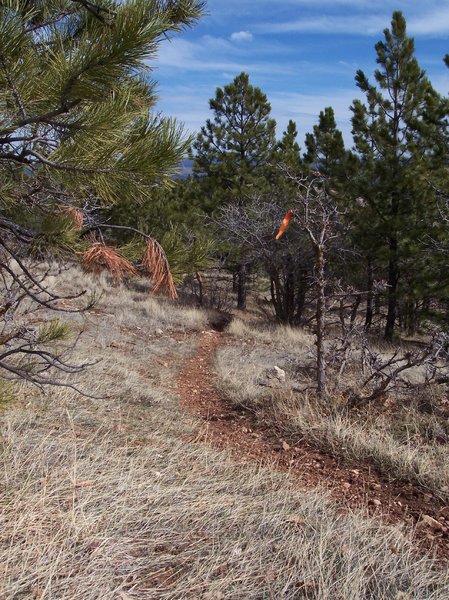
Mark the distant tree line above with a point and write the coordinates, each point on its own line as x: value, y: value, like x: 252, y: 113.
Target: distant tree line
x: 390, y: 189
x: 84, y: 159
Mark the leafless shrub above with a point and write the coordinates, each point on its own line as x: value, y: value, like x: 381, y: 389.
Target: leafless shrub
x: 211, y: 289
x: 30, y: 346
x: 288, y: 266
x: 410, y: 370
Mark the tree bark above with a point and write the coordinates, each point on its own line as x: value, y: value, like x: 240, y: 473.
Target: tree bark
x: 393, y: 278
x: 301, y: 296
x: 242, y: 287
x: 369, y: 298
x: 320, y: 321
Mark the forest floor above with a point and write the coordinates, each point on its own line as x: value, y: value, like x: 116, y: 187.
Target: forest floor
x: 162, y: 487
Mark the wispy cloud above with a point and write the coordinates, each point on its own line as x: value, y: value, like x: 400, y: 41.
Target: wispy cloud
x: 192, y: 108
x: 207, y: 55
x: 435, y: 22
x: 242, y: 36
x: 430, y: 22
x: 359, y: 25
x: 305, y: 109
x: 248, y: 7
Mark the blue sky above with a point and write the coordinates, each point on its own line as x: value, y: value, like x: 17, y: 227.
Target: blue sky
x: 302, y: 54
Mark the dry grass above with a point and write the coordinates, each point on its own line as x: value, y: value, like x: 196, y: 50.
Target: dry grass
x: 103, y: 514
x: 281, y: 336
x: 104, y: 499
x: 132, y: 307
x: 400, y: 443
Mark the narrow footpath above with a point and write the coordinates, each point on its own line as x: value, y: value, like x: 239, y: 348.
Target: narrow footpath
x: 355, y: 486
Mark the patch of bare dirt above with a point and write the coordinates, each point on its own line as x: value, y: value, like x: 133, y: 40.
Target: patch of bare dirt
x: 352, y: 485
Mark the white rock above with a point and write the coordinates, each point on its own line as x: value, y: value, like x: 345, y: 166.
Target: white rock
x: 276, y: 373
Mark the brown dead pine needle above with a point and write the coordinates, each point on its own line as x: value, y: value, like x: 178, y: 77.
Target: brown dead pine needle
x: 76, y: 215
x: 100, y: 257
x: 156, y: 265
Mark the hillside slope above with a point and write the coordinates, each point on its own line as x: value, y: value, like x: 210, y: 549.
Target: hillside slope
x: 119, y: 497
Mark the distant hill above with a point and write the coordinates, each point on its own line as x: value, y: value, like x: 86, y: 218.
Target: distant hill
x: 185, y: 169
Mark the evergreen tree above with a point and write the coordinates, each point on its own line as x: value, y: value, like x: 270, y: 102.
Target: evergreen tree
x: 77, y: 129
x: 76, y: 103
x: 325, y: 146
x: 287, y: 150
x: 393, y: 137
x: 286, y: 162
x: 232, y: 151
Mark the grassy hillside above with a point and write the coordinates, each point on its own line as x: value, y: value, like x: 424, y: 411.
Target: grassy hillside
x: 113, y: 498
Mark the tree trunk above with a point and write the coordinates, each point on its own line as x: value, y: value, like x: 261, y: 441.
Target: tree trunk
x: 393, y: 278
x: 369, y: 298
x: 301, y: 296
x: 235, y: 286
x: 242, y: 287
x: 354, y: 311
x: 289, y: 291
x: 276, y: 295
x: 320, y: 321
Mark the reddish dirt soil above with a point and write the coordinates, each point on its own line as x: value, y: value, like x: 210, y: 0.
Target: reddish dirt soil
x: 357, y: 485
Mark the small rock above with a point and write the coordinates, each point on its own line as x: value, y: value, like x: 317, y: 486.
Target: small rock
x: 432, y: 523
x: 346, y: 485
x: 375, y: 502
x: 276, y: 373
x: 285, y: 446
x: 375, y: 486
x: 159, y: 331
x: 296, y: 519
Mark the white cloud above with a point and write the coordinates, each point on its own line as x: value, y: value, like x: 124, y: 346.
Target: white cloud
x: 305, y: 109
x: 433, y: 23
x: 203, y: 56
x: 242, y: 36
x: 192, y: 108
x: 360, y: 25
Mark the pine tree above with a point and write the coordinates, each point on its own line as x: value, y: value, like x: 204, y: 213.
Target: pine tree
x: 286, y: 162
x: 325, y: 146
x: 77, y: 131
x: 288, y: 151
x: 232, y: 151
x: 75, y: 102
x: 392, y: 134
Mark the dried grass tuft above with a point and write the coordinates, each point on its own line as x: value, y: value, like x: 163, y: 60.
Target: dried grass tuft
x: 156, y: 265
x: 100, y: 257
x: 88, y: 490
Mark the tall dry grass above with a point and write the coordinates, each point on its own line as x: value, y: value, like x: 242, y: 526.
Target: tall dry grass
x: 106, y: 499
x: 112, y: 513
x: 389, y: 440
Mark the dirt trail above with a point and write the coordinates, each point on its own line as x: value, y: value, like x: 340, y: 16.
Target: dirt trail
x: 357, y: 485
